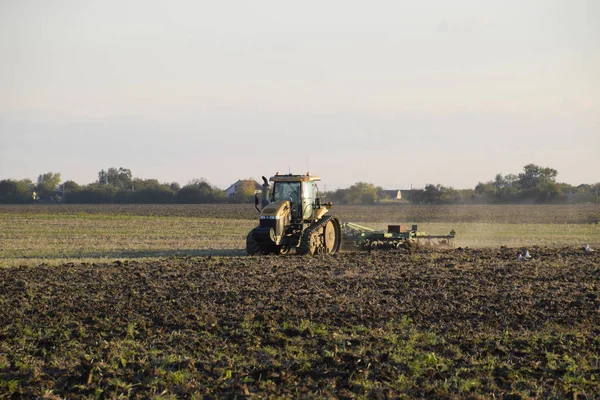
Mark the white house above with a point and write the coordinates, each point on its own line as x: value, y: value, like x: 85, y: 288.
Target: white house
x: 233, y: 189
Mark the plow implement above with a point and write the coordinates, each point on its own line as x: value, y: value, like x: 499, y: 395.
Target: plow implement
x: 396, y: 237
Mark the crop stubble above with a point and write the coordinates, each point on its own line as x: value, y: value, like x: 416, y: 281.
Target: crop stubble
x: 33, y: 234
x: 405, y: 213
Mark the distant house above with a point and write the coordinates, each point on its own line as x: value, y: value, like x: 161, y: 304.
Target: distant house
x: 393, y: 194
x: 240, y: 185
x: 397, y: 194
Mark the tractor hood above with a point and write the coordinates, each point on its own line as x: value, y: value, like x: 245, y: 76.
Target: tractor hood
x: 275, y: 210
x: 273, y: 219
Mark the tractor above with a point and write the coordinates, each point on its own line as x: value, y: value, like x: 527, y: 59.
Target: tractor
x: 292, y: 216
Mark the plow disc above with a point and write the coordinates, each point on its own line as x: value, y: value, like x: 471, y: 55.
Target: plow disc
x: 439, y: 242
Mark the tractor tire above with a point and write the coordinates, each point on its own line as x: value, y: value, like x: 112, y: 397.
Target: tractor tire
x: 333, y: 235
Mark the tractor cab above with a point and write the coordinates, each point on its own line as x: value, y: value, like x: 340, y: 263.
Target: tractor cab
x: 299, y: 190
x: 302, y: 196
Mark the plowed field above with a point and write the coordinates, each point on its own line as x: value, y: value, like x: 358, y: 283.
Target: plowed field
x: 470, y: 323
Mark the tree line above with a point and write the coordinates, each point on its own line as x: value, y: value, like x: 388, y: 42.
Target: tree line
x: 535, y: 184
x: 115, y: 185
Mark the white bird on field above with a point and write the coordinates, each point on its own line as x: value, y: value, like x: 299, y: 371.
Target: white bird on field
x: 527, y: 255
x: 587, y: 248
x: 520, y: 257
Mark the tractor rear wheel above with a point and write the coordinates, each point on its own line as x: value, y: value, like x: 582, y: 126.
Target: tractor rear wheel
x: 323, y: 237
x: 333, y: 236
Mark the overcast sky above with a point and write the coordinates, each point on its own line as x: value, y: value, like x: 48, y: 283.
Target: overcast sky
x: 395, y: 93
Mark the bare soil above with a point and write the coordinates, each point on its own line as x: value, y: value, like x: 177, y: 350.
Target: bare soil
x: 454, y: 323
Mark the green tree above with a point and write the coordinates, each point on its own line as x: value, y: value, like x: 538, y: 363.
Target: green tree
x: 435, y: 194
x: 93, y: 193
x: 486, y: 191
x: 362, y: 193
x: 153, y: 195
x: 148, y: 191
x: 368, y: 197
x: 359, y: 193
x: 506, y: 188
x: 16, y: 192
x: 432, y: 194
x: 467, y: 196
x: 69, y: 186
x: 121, y: 178
x: 199, y: 191
x: 46, y: 185
x: 538, y: 183
x: 449, y: 195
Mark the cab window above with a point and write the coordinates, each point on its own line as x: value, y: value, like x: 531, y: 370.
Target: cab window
x: 286, y: 191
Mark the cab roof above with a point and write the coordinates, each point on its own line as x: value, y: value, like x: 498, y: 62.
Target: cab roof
x: 295, y: 178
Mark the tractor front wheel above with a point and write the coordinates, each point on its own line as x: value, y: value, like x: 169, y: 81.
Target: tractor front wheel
x: 252, y: 246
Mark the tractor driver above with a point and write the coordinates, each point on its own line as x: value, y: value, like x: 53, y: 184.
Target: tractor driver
x: 287, y: 191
